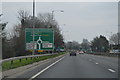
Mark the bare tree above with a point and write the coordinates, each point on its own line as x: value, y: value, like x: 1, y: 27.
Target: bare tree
x: 19, y: 32
x: 26, y: 21
x: 85, y: 44
x: 46, y: 19
x: 73, y: 45
x: 114, y: 39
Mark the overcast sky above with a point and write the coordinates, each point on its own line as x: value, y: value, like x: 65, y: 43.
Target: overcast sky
x: 81, y: 19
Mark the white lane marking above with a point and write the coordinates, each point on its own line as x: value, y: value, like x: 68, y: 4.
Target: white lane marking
x: 96, y: 63
x: 111, y: 70
x: 90, y: 60
x: 45, y: 69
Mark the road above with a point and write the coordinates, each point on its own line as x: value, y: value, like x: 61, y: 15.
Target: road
x: 80, y: 66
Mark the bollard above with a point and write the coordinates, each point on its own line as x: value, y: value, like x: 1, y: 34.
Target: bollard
x: 20, y: 60
x: 26, y: 58
x: 11, y: 62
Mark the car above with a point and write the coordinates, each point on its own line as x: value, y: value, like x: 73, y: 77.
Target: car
x: 81, y: 52
x: 115, y: 51
x: 73, y: 54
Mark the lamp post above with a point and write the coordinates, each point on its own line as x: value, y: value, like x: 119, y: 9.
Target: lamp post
x: 53, y: 16
x: 1, y: 14
x: 33, y: 25
x: 55, y: 11
x: 118, y: 40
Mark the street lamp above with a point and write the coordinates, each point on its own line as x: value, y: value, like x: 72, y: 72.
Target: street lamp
x: 53, y: 15
x: 1, y: 14
x: 33, y: 26
x: 118, y: 40
x: 55, y: 11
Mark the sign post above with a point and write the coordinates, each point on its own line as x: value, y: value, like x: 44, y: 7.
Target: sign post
x: 43, y: 39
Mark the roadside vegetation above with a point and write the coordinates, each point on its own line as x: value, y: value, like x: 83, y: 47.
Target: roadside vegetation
x: 17, y: 63
x: 14, y: 42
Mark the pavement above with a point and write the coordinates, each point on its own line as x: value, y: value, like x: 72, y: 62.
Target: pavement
x: 80, y: 66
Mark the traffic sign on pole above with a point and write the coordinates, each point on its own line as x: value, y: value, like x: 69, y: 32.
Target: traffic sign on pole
x: 43, y: 39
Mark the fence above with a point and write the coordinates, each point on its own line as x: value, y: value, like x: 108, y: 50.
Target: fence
x: 105, y: 54
x: 24, y: 57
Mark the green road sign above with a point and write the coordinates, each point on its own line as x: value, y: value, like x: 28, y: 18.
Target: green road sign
x: 43, y: 39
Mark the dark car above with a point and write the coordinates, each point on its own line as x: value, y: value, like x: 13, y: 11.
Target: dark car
x: 73, y: 54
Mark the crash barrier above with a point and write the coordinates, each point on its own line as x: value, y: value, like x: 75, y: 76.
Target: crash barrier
x: 105, y: 54
x: 25, y: 57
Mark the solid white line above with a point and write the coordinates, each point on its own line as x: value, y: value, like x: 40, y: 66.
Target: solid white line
x: 111, y: 70
x: 45, y: 69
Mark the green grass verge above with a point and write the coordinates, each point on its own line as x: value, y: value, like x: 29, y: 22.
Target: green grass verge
x: 16, y: 63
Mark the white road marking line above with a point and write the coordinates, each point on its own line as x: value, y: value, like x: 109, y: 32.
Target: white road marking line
x: 111, y: 70
x: 45, y: 69
x: 90, y: 60
x: 96, y: 63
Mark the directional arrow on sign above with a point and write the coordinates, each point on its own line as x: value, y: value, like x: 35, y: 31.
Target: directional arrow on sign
x: 38, y: 42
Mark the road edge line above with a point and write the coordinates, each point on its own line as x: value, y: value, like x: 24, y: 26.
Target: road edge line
x: 45, y: 69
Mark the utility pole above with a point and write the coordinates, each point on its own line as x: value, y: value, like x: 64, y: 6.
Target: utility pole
x: 33, y: 26
x: 118, y: 40
x: 52, y: 14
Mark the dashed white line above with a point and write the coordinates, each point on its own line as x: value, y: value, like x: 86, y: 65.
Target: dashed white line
x: 96, y: 63
x: 111, y: 70
x: 45, y: 69
x: 90, y: 60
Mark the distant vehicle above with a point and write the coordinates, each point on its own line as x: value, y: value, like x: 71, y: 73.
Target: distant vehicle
x: 73, y: 54
x: 81, y: 52
x: 115, y: 51
x: 60, y: 50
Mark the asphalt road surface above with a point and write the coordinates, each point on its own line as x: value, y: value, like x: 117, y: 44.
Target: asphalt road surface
x: 80, y: 66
